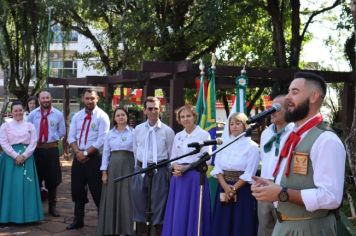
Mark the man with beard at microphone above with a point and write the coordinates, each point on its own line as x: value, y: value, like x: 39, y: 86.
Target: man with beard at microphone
x: 309, y: 175
x: 272, y: 140
x: 182, y: 208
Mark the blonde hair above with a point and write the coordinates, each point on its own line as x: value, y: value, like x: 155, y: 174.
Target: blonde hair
x: 186, y: 107
x: 239, y: 116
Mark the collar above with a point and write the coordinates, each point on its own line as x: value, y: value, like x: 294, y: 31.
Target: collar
x: 193, y: 133
x: 158, y: 124
x: 296, y: 128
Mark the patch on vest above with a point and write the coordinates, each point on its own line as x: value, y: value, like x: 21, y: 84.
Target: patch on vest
x: 300, y: 165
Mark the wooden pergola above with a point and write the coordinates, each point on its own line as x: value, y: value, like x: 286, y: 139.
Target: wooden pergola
x: 173, y: 77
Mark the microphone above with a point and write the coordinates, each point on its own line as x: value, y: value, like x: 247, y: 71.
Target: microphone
x: 275, y: 107
x: 218, y: 141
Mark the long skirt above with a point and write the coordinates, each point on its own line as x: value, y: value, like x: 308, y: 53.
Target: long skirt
x: 20, y: 200
x: 115, y: 213
x: 235, y: 219
x: 181, y: 216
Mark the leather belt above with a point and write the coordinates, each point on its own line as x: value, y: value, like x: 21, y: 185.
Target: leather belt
x: 233, y: 176
x: 47, y: 145
x: 282, y: 217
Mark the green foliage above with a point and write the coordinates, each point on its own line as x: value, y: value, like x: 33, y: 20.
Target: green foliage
x: 23, y: 40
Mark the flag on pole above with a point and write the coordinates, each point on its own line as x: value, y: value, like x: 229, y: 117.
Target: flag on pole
x: 201, y: 96
x: 239, y: 104
x: 208, y: 119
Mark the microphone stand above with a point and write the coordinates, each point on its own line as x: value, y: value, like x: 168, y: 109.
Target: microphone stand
x: 200, y: 165
x: 150, y: 173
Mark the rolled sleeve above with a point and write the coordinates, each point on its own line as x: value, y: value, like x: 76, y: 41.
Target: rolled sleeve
x: 73, y: 130
x: 328, y: 159
x: 217, y: 168
x: 106, y: 153
x: 252, y: 164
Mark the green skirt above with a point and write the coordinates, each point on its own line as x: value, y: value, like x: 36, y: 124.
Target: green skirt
x: 20, y: 200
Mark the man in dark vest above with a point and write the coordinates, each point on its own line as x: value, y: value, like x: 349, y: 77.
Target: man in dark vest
x: 309, y: 175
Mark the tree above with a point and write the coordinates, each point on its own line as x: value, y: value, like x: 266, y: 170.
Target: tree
x: 351, y: 139
x: 23, y: 28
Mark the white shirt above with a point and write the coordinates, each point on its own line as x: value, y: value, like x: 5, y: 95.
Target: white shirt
x: 56, y: 123
x: 116, y: 140
x: 242, y: 155
x: 269, y: 159
x: 182, y: 139
x: 164, y: 139
x: 328, y: 160
x: 99, y: 126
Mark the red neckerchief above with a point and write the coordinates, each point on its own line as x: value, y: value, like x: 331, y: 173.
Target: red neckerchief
x: 292, y: 142
x: 87, y: 118
x: 44, y: 126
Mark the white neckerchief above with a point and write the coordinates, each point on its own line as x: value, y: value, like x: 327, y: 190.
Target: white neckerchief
x: 150, y: 142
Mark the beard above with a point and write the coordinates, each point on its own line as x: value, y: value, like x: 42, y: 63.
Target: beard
x: 46, y: 105
x: 299, y: 113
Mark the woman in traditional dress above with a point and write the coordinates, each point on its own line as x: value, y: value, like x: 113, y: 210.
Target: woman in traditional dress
x: 20, y: 200
x: 235, y: 211
x: 115, y: 213
x: 181, y: 216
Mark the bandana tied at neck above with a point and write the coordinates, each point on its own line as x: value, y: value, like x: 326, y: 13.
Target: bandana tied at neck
x: 43, y: 135
x: 276, y: 139
x: 86, y: 119
x: 292, y: 142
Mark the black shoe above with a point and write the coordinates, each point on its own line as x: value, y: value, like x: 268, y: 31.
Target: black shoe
x: 53, y: 212
x: 75, y: 225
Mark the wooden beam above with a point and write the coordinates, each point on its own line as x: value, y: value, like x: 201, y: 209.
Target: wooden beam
x: 166, y: 66
x: 176, y: 99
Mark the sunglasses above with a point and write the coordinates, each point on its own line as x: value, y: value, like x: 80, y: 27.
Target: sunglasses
x: 152, y: 108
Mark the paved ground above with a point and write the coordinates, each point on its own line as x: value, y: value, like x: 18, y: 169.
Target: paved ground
x: 57, y: 225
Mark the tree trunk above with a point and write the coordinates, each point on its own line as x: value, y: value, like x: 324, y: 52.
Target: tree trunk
x: 351, y: 139
x: 6, y: 93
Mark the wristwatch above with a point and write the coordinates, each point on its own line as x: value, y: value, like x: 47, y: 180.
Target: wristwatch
x: 85, y: 153
x: 283, y: 195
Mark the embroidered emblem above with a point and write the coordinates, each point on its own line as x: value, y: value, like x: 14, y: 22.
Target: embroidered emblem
x: 300, y: 163
x: 93, y: 126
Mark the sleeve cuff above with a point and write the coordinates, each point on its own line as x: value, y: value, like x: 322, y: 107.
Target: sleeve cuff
x: 216, y: 171
x: 246, y: 178
x: 103, y: 167
x: 309, y: 199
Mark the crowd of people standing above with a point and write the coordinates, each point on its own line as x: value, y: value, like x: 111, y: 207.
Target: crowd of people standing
x: 299, y: 188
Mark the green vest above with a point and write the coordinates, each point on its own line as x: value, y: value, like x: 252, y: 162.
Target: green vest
x: 299, y: 181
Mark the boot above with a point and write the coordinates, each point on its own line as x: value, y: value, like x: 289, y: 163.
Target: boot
x: 78, y: 221
x: 52, y: 201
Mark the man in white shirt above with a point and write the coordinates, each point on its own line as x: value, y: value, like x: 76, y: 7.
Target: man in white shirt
x: 86, y: 137
x: 310, y: 171
x: 272, y: 141
x: 152, y: 143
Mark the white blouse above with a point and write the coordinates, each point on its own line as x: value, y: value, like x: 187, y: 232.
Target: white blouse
x: 115, y: 141
x: 181, y: 141
x: 242, y: 155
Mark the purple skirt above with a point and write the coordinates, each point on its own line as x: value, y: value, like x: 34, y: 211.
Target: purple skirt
x: 181, y: 216
x: 235, y: 219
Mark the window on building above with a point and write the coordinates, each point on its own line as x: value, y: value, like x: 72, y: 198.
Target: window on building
x: 63, y: 69
x: 58, y: 35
